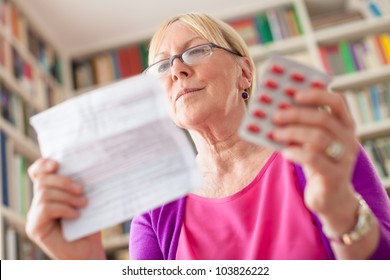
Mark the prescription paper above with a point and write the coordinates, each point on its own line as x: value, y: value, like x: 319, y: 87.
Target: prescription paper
x: 121, y: 145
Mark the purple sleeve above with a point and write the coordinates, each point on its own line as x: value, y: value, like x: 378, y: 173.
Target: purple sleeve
x: 143, y: 243
x: 368, y: 184
x: 155, y: 234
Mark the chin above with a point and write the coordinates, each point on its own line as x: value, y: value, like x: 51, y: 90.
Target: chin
x: 189, y: 121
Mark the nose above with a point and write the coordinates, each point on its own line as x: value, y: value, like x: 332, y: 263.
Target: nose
x: 179, y: 69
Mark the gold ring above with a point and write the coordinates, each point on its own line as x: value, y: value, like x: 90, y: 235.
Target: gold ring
x: 335, y: 150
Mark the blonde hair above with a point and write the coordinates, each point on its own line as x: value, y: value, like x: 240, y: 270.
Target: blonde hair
x: 209, y: 28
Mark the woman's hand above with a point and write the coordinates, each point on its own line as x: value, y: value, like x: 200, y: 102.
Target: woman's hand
x: 57, y: 197
x: 310, y: 131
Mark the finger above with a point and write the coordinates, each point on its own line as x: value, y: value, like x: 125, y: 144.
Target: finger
x: 48, y: 196
x: 334, y: 101
x: 304, y: 156
x: 61, y: 182
x: 311, y: 117
x: 52, y: 211
x: 314, y: 137
x: 42, y: 166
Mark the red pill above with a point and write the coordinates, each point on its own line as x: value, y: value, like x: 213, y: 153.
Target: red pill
x: 276, y: 69
x: 253, y: 128
x: 265, y: 99
x: 297, y: 77
x: 259, y: 114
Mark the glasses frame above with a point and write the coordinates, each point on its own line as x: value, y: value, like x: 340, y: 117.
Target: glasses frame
x: 180, y: 55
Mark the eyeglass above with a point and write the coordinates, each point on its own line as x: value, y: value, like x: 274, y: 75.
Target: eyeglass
x: 190, y: 56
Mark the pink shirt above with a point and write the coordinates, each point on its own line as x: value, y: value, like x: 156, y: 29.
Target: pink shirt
x: 265, y: 220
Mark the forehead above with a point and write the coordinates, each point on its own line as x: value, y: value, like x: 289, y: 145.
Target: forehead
x: 177, y: 37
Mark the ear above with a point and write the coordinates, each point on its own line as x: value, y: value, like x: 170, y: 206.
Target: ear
x: 246, y: 73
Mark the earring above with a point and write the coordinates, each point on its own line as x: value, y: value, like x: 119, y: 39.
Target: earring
x: 245, y: 95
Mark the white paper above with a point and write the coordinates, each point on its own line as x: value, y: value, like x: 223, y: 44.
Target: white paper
x: 121, y: 145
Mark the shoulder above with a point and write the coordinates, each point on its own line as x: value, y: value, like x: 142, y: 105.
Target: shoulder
x: 154, y: 234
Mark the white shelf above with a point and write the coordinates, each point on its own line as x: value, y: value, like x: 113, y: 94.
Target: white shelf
x: 352, y: 30
x: 361, y: 78
x: 15, y: 86
x: 22, y: 144
x: 374, y: 129
x: 286, y: 46
x: 13, y: 219
x: 29, y: 58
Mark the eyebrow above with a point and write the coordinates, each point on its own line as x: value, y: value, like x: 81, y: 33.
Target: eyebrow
x: 185, y: 46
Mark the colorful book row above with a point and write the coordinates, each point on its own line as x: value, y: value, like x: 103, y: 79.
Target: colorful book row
x: 272, y: 25
x: 370, y: 104
x: 16, y: 185
x: 17, y: 112
x: 350, y: 56
x: 110, y: 66
x: 31, y: 81
x: 378, y: 150
x: 15, y: 23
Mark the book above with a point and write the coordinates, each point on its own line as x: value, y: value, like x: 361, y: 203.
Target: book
x: 102, y: 68
x: 292, y: 23
x: 385, y: 43
x: 130, y: 62
x: 372, y: 57
x: 375, y: 103
x: 263, y: 28
x: 274, y: 24
x: 84, y: 76
x: 353, y: 105
x: 4, y: 169
x: 380, y: 50
x: 334, y: 59
x: 326, y: 20
x: 346, y: 57
x: 384, y: 111
x: 247, y: 29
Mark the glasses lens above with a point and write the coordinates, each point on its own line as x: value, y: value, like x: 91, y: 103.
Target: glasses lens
x: 159, y: 69
x: 197, y: 54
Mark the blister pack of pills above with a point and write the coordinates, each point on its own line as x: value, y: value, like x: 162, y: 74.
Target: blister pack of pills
x: 280, y: 80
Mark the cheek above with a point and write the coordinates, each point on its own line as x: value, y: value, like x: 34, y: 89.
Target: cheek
x: 170, y: 95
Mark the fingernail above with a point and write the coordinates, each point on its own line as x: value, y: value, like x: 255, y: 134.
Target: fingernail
x: 276, y: 116
x: 49, y: 165
x: 77, y: 186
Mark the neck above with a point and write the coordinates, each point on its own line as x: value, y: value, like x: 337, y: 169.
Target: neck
x: 227, y: 162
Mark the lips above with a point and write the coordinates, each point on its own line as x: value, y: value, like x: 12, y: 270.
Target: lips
x: 185, y: 91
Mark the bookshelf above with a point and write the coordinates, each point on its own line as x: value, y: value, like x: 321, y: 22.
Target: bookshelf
x: 54, y: 79
x: 30, y: 74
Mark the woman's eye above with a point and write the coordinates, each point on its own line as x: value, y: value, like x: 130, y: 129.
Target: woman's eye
x: 197, y: 52
x: 164, y: 66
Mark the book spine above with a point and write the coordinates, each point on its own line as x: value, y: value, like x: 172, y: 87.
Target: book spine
x: 346, y: 57
x: 379, y: 49
x: 385, y: 43
x: 363, y: 107
x: 274, y: 25
x: 388, y: 97
x: 264, y: 29
x: 375, y: 103
x: 4, y: 169
x: 299, y: 26
x: 355, y: 57
x: 353, y: 106
x: 324, y: 60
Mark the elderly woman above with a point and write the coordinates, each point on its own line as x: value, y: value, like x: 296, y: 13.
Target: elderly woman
x: 256, y: 203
